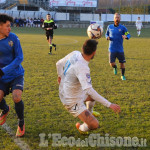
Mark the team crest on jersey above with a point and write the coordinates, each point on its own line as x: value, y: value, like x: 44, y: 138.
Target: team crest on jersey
x: 11, y: 43
x: 119, y: 30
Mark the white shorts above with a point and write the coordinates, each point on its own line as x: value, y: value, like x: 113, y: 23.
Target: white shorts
x: 138, y: 27
x: 76, y: 109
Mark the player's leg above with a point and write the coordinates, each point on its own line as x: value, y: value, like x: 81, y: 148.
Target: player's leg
x: 90, y: 104
x: 122, y: 61
x: 50, y: 45
x: 90, y: 122
x: 139, y: 30
x: 112, y: 58
x: 4, y: 107
x: 17, y: 89
x: 54, y: 45
x: 49, y: 40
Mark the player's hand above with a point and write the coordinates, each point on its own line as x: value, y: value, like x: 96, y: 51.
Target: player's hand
x: 115, y: 108
x: 49, y: 28
x: 59, y: 80
x: 108, y: 38
x: 124, y: 36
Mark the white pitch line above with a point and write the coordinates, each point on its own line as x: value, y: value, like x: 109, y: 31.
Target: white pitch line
x: 22, y: 145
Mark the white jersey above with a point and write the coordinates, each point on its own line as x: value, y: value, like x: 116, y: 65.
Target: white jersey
x: 75, y: 78
x: 138, y: 23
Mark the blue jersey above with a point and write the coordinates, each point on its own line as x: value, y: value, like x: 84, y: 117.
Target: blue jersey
x: 11, y: 56
x: 116, y: 40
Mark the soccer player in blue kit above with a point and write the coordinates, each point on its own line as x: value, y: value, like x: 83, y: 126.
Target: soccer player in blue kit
x: 11, y: 72
x: 115, y: 33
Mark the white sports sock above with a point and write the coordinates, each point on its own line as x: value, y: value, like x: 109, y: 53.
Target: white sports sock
x: 84, y: 127
x: 139, y: 32
x: 90, y: 105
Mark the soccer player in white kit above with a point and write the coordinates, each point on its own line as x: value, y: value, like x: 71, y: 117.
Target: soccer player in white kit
x: 138, y: 26
x: 75, y: 87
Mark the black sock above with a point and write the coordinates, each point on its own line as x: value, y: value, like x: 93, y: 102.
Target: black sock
x: 4, y: 106
x: 54, y: 45
x: 123, y: 71
x: 50, y: 49
x: 19, y: 107
x: 115, y: 66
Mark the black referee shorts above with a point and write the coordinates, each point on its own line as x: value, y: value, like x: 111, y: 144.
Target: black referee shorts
x: 49, y: 34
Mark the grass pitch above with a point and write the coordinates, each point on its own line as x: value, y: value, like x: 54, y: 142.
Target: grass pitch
x: 44, y: 113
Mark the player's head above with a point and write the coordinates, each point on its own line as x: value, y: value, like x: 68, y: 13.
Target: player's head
x: 89, y: 47
x: 138, y: 18
x: 5, y: 24
x: 48, y: 16
x: 117, y: 19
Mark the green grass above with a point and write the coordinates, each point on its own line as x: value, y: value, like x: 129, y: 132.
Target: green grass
x: 44, y: 113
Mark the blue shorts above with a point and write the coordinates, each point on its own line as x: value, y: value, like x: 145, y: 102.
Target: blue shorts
x: 17, y: 83
x: 114, y: 55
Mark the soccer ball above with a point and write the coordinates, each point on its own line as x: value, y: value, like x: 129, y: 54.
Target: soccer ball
x: 94, y: 31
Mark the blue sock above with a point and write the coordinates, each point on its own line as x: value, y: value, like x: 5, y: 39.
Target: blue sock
x: 19, y: 107
x: 4, y: 106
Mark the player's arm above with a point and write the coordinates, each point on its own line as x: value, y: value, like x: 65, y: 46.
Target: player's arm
x: 141, y: 24
x: 18, y: 57
x: 85, y: 81
x: 126, y: 34
x: 136, y: 23
x: 97, y: 97
x: 55, y: 26
x: 107, y: 34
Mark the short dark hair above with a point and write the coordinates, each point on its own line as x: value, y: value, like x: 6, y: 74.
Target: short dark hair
x: 89, y: 46
x: 4, y: 18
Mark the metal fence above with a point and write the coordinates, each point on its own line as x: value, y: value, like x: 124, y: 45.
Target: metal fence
x: 121, y: 3
x: 125, y: 6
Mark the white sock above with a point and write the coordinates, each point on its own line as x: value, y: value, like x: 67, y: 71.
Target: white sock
x: 90, y: 105
x: 139, y: 32
x: 84, y: 127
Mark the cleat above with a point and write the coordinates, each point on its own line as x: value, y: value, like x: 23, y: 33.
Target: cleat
x: 115, y: 71
x: 20, y: 131
x: 96, y: 114
x: 3, y: 117
x: 82, y: 132
x: 123, y: 78
x: 50, y: 53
